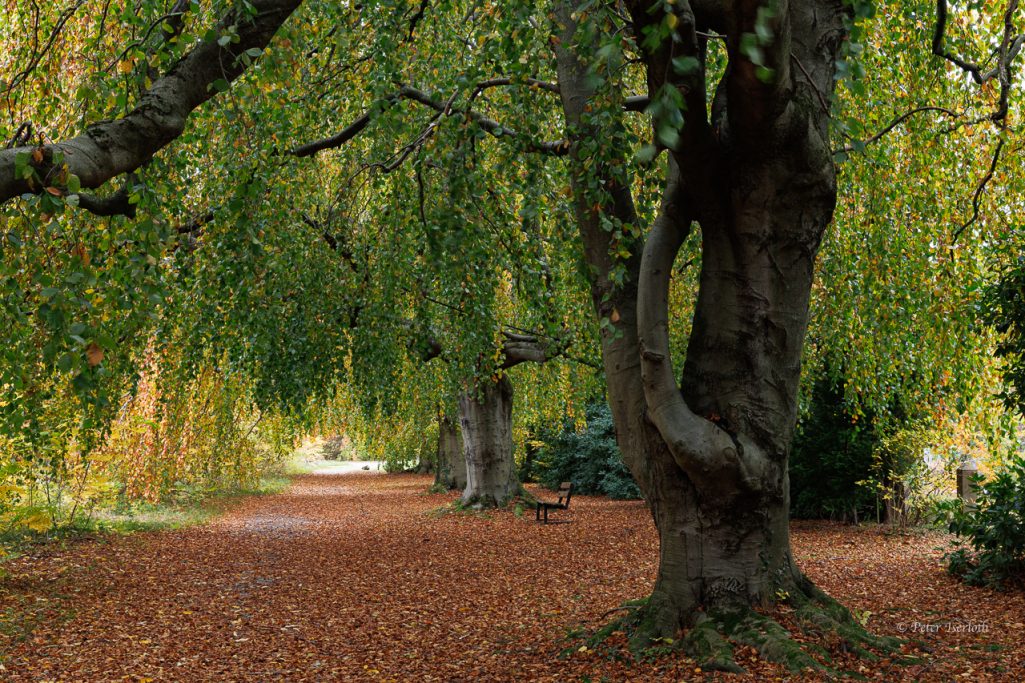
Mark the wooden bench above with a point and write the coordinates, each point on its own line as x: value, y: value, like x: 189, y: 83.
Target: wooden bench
x: 565, y: 492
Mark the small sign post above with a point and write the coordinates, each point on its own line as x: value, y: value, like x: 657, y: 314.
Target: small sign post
x: 965, y: 485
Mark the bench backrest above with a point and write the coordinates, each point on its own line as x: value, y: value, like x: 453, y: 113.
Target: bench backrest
x: 565, y: 491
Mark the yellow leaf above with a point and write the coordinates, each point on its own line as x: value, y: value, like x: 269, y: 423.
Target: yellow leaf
x: 37, y: 521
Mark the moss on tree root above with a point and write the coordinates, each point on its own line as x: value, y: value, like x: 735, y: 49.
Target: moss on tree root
x: 715, y: 634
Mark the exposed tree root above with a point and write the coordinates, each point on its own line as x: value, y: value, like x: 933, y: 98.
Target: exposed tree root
x: 488, y: 502
x: 521, y: 498
x: 715, y: 634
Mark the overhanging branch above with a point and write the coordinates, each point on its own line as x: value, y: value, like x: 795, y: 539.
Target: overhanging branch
x: 896, y: 122
x: 979, y: 189
x: 111, y: 148
x: 1008, y: 50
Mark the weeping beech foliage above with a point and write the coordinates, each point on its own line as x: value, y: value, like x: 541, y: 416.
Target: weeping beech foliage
x: 318, y: 193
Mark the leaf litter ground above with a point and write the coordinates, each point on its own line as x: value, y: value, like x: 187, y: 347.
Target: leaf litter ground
x: 352, y: 577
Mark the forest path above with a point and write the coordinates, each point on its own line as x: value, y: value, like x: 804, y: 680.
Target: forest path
x: 341, y: 577
x: 351, y: 577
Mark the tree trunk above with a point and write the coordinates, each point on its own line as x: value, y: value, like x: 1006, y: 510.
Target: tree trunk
x: 451, y: 472
x: 486, y: 421
x: 425, y: 466
x: 710, y: 453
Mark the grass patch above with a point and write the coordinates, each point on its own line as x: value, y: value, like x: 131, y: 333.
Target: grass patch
x: 189, y: 507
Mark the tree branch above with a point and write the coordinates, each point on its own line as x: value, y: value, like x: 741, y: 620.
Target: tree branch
x: 1010, y: 47
x: 896, y: 122
x: 108, y: 149
x: 347, y: 133
x: 117, y: 204
x: 37, y: 56
x: 556, y: 148
x: 979, y: 189
x: 707, y: 453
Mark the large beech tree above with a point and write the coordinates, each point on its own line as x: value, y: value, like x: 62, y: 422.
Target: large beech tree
x: 755, y: 172
x: 751, y: 166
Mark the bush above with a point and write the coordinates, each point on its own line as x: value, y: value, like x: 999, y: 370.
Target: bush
x: 994, y: 528
x: 590, y: 459
x: 908, y: 487
x: 831, y: 454
x: 336, y: 448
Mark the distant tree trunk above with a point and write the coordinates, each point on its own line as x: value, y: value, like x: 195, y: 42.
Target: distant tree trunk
x: 426, y: 466
x: 486, y: 421
x: 451, y: 471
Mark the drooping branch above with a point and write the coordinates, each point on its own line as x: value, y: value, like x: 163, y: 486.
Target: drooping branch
x: 1009, y: 49
x: 417, y: 16
x: 108, y: 149
x: 171, y: 25
x: 38, y: 55
x: 974, y: 70
x: 979, y: 189
x: 896, y: 122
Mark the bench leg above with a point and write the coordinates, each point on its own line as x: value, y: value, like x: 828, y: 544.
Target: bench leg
x: 546, y: 514
x: 537, y: 514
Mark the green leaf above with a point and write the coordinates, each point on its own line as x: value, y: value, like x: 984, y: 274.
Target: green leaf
x: 645, y: 154
x: 686, y: 65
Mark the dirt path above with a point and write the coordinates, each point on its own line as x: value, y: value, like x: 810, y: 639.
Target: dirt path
x: 349, y: 577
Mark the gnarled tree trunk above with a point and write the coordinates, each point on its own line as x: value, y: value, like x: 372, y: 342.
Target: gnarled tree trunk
x: 451, y: 471
x: 486, y: 422
x: 756, y: 174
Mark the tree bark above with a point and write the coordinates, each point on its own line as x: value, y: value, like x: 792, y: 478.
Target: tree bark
x: 756, y: 173
x: 451, y: 471
x: 486, y: 421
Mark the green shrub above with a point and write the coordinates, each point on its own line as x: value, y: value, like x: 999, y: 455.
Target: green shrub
x: 907, y: 486
x: 590, y: 459
x: 994, y: 528
x: 831, y: 454
x: 336, y: 448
